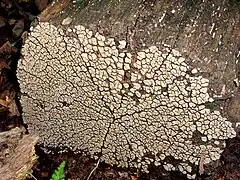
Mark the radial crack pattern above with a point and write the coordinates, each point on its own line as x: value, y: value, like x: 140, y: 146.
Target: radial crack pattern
x: 85, y: 91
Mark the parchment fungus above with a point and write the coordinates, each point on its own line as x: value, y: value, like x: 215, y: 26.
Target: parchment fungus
x: 84, y: 91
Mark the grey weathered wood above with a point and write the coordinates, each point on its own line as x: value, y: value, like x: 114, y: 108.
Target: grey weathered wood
x: 17, y: 154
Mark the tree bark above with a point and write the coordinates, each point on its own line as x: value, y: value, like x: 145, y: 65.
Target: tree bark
x: 207, y: 32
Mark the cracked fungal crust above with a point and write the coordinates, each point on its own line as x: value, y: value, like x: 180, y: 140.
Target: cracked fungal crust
x: 85, y: 91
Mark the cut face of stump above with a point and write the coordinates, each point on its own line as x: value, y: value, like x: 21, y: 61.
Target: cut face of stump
x: 81, y: 91
x: 132, y: 81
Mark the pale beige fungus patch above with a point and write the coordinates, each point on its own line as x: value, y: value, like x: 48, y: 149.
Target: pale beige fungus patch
x: 84, y: 91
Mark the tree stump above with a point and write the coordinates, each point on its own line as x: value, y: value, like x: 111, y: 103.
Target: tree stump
x: 135, y: 83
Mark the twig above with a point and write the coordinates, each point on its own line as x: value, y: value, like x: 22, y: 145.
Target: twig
x: 94, y: 169
x: 33, y: 176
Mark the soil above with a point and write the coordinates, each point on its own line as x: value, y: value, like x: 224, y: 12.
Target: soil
x: 15, y: 20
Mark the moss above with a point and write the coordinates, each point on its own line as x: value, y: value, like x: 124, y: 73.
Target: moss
x: 81, y: 3
x: 210, y: 105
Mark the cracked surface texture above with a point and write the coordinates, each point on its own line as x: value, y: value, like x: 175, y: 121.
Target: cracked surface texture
x: 85, y: 91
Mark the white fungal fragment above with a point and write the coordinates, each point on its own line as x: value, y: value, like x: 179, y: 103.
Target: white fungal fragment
x: 194, y: 71
x: 66, y: 21
x: 84, y: 93
x: 122, y: 44
x: 204, y: 139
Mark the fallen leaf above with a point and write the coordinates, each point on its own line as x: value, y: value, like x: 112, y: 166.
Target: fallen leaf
x: 3, y: 103
x: 3, y: 64
x: 10, y: 105
x: 44, y: 174
x: 134, y: 178
x: 220, y: 178
x: 7, y: 48
x: 5, y: 85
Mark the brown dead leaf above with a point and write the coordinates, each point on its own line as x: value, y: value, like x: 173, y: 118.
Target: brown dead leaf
x: 7, y: 48
x: 10, y: 105
x: 220, y: 178
x: 3, y: 84
x: 3, y: 103
x: 3, y: 64
x: 134, y: 178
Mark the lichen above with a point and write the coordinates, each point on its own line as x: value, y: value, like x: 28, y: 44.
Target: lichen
x: 90, y: 93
